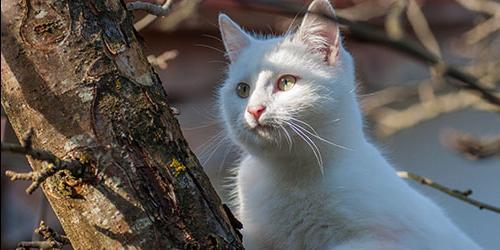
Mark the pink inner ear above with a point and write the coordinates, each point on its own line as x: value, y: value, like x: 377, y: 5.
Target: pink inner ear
x: 234, y: 38
x: 319, y: 32
x: 329, y: 48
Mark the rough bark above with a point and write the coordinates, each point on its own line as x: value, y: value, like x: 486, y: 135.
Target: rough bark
x: 75, y: 72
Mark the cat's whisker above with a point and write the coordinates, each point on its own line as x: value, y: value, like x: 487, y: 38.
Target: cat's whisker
x: 201, y: 126
x: 210, y: 47
x: 311, y: 144
x: 305, y: 123
x: 220, y: 169
x: 289, y: 29
x: 315, y: 135
x: 289, y: 138
x: 219, y: 143
x: 213, y: 37
x: 204, y: 147
x: 205, y: 113
x: 218, y: 61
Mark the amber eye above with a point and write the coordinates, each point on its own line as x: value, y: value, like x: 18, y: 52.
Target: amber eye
x: 243, y: 90
x: 286, y: 82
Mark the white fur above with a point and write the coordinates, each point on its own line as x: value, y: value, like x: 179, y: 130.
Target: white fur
x: 348, y: 196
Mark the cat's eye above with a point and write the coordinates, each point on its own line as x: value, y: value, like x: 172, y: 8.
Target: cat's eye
x: 286, y: 82
x: 243, y: 90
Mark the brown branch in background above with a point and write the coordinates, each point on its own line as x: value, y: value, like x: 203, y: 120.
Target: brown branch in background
x: 161, y: 61
x: 151, y: 8
x: 421, y: 27
x: 371, y: 102
x: 148, y: 19
x: 470, y: 147
x: 482, y: 30
x: 487, y: 27
x: 369, y: 34
x: 390, y: 121
x: 463, y: 196
x: 51, y: 239
x: 366, y: 10
x: 37, y: 177
x: 393, y: 19
x: 485, y: 6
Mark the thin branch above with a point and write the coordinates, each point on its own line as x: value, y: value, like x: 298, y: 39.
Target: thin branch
x: 393, y: 19
x: 390, y: 121
x: 52, y: 240
x: 161, y: 61
x: 369, y: 34
x: 366, y: 10
x: 463, y: 196
x: 484, y: 6
x: 148, y: 19
x: 37, y: 244
x: 37, y: 177
x: 151, y: 8
x: 483, y: 30
x: 421, y: 27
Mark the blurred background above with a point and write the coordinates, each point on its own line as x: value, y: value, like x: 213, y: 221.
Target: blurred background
x: 425, y: 123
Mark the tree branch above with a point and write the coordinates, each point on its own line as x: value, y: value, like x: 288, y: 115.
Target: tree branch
x: 148, y: 19
x: 38, y: 176
x: 151, y: 8
x: 463, y: 196
x: 52, y: 240
x: 389, y: 121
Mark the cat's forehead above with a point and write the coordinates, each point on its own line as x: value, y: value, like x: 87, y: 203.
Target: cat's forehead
x: 279, y: 55
x: 254, y: 57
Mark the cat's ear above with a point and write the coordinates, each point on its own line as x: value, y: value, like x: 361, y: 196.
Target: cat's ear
x: 233, y: 37
x: 320, y: 31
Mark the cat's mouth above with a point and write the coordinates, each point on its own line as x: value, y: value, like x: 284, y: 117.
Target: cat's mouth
x: 259, y: 127
x: 263, y: 130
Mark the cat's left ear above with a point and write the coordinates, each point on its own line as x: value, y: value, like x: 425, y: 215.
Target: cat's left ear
x: 320, y: 31
x: 233, y: 37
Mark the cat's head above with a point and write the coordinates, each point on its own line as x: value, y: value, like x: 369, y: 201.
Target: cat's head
x: 276, y: 88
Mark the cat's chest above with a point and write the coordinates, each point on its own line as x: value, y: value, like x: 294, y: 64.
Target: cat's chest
x: 287, y: 215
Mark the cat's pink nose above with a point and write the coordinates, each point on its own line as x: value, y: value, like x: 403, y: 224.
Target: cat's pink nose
x: 256, y: 111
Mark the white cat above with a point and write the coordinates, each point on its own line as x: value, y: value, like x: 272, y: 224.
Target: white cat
x: 309, y: 179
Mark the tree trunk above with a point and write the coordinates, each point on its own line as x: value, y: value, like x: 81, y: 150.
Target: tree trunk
x: 74, y: 71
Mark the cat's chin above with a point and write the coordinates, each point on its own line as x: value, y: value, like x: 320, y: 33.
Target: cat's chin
x: 261, y: 135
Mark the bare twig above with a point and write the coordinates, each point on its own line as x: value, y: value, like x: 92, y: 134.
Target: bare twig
x: 393, y: 19
x: 151, y: 8
x: 421, y: 27
x: 470, y: 147
x: 148, y: 19
x: 367, y: 33
x: 51, y: 239
x: 390, y: 121
x: 37, y: 245
x: 37, y: 177
x: 463, y: 196
x: 483, y: 30
x: 485, y: 6
x: 161, y: 61
x: 487, y: 27
x: 394, y: 93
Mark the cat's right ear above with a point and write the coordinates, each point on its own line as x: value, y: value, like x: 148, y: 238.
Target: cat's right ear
x: 233, y: 37
x: 319, y: 32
